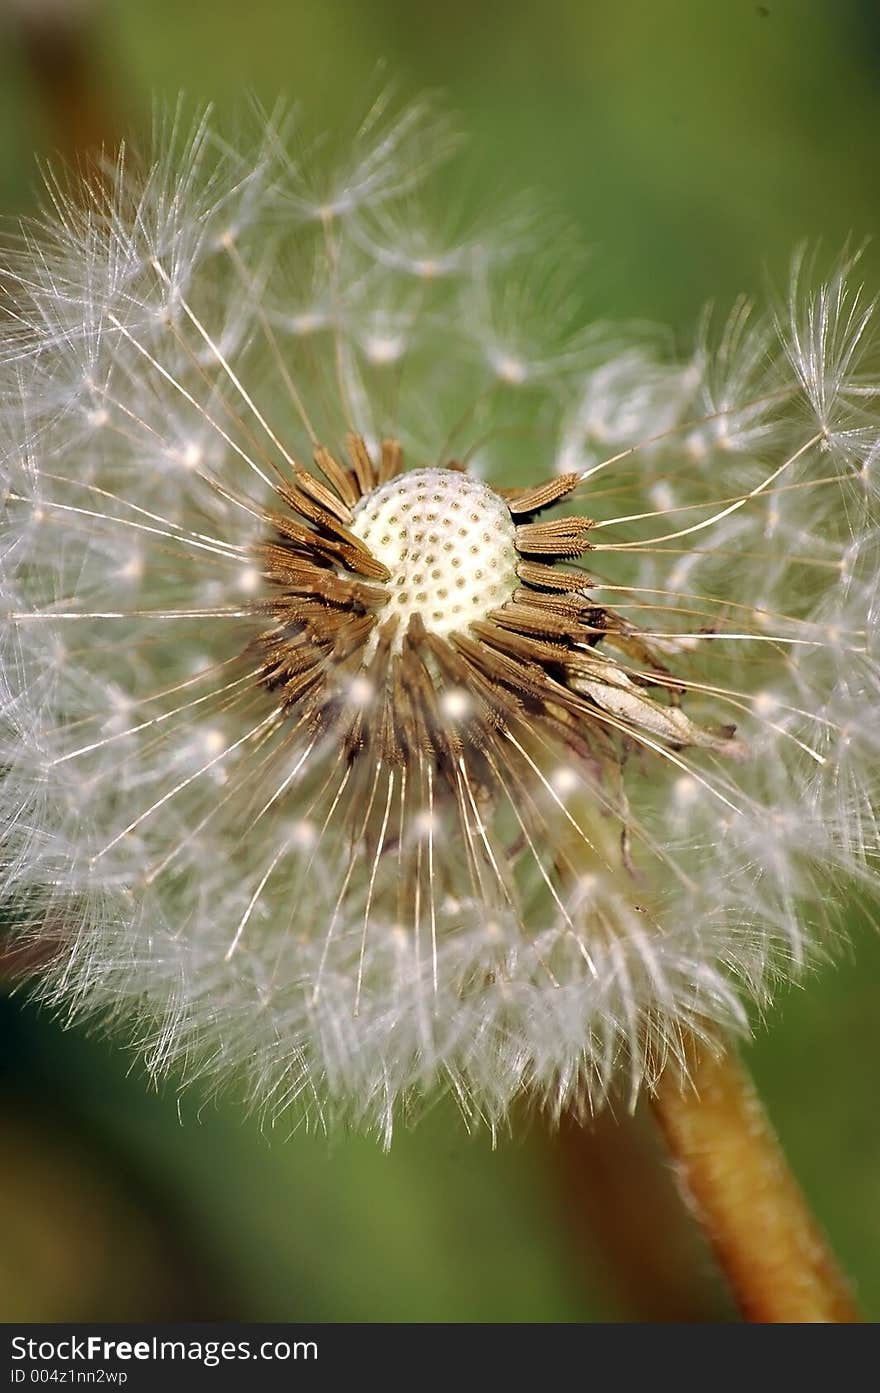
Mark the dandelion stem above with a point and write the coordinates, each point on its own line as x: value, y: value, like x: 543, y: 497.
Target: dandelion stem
x: 733, y: 1173
x: 645, y: 1262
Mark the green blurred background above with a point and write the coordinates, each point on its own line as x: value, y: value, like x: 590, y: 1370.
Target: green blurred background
x: 695, y: 143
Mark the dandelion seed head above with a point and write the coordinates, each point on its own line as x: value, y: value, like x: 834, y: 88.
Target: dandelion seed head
x: 403, y: 687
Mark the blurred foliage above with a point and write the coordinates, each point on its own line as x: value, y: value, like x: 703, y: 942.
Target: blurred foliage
x: 694, y: 144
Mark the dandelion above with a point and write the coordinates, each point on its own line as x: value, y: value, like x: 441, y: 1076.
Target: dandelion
x: 403, y: 688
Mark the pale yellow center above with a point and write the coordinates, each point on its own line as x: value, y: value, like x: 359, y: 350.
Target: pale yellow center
x: 449, y: 543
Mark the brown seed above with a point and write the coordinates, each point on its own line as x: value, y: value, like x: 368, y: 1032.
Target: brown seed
x: 534, y: 500
x: 560, y: 537
x: 336, y: 476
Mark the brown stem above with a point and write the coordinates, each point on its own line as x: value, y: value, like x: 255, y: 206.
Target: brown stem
x: 643, y: 1260
x: 58, y: 48
x: 733, y: 1172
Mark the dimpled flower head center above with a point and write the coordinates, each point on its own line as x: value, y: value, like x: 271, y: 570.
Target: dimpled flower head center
x: 449, y: 543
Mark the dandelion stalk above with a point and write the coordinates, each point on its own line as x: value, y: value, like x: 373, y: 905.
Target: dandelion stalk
x: 649, y: 1260
x: 733, y: 1173
x: 58, y: 46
